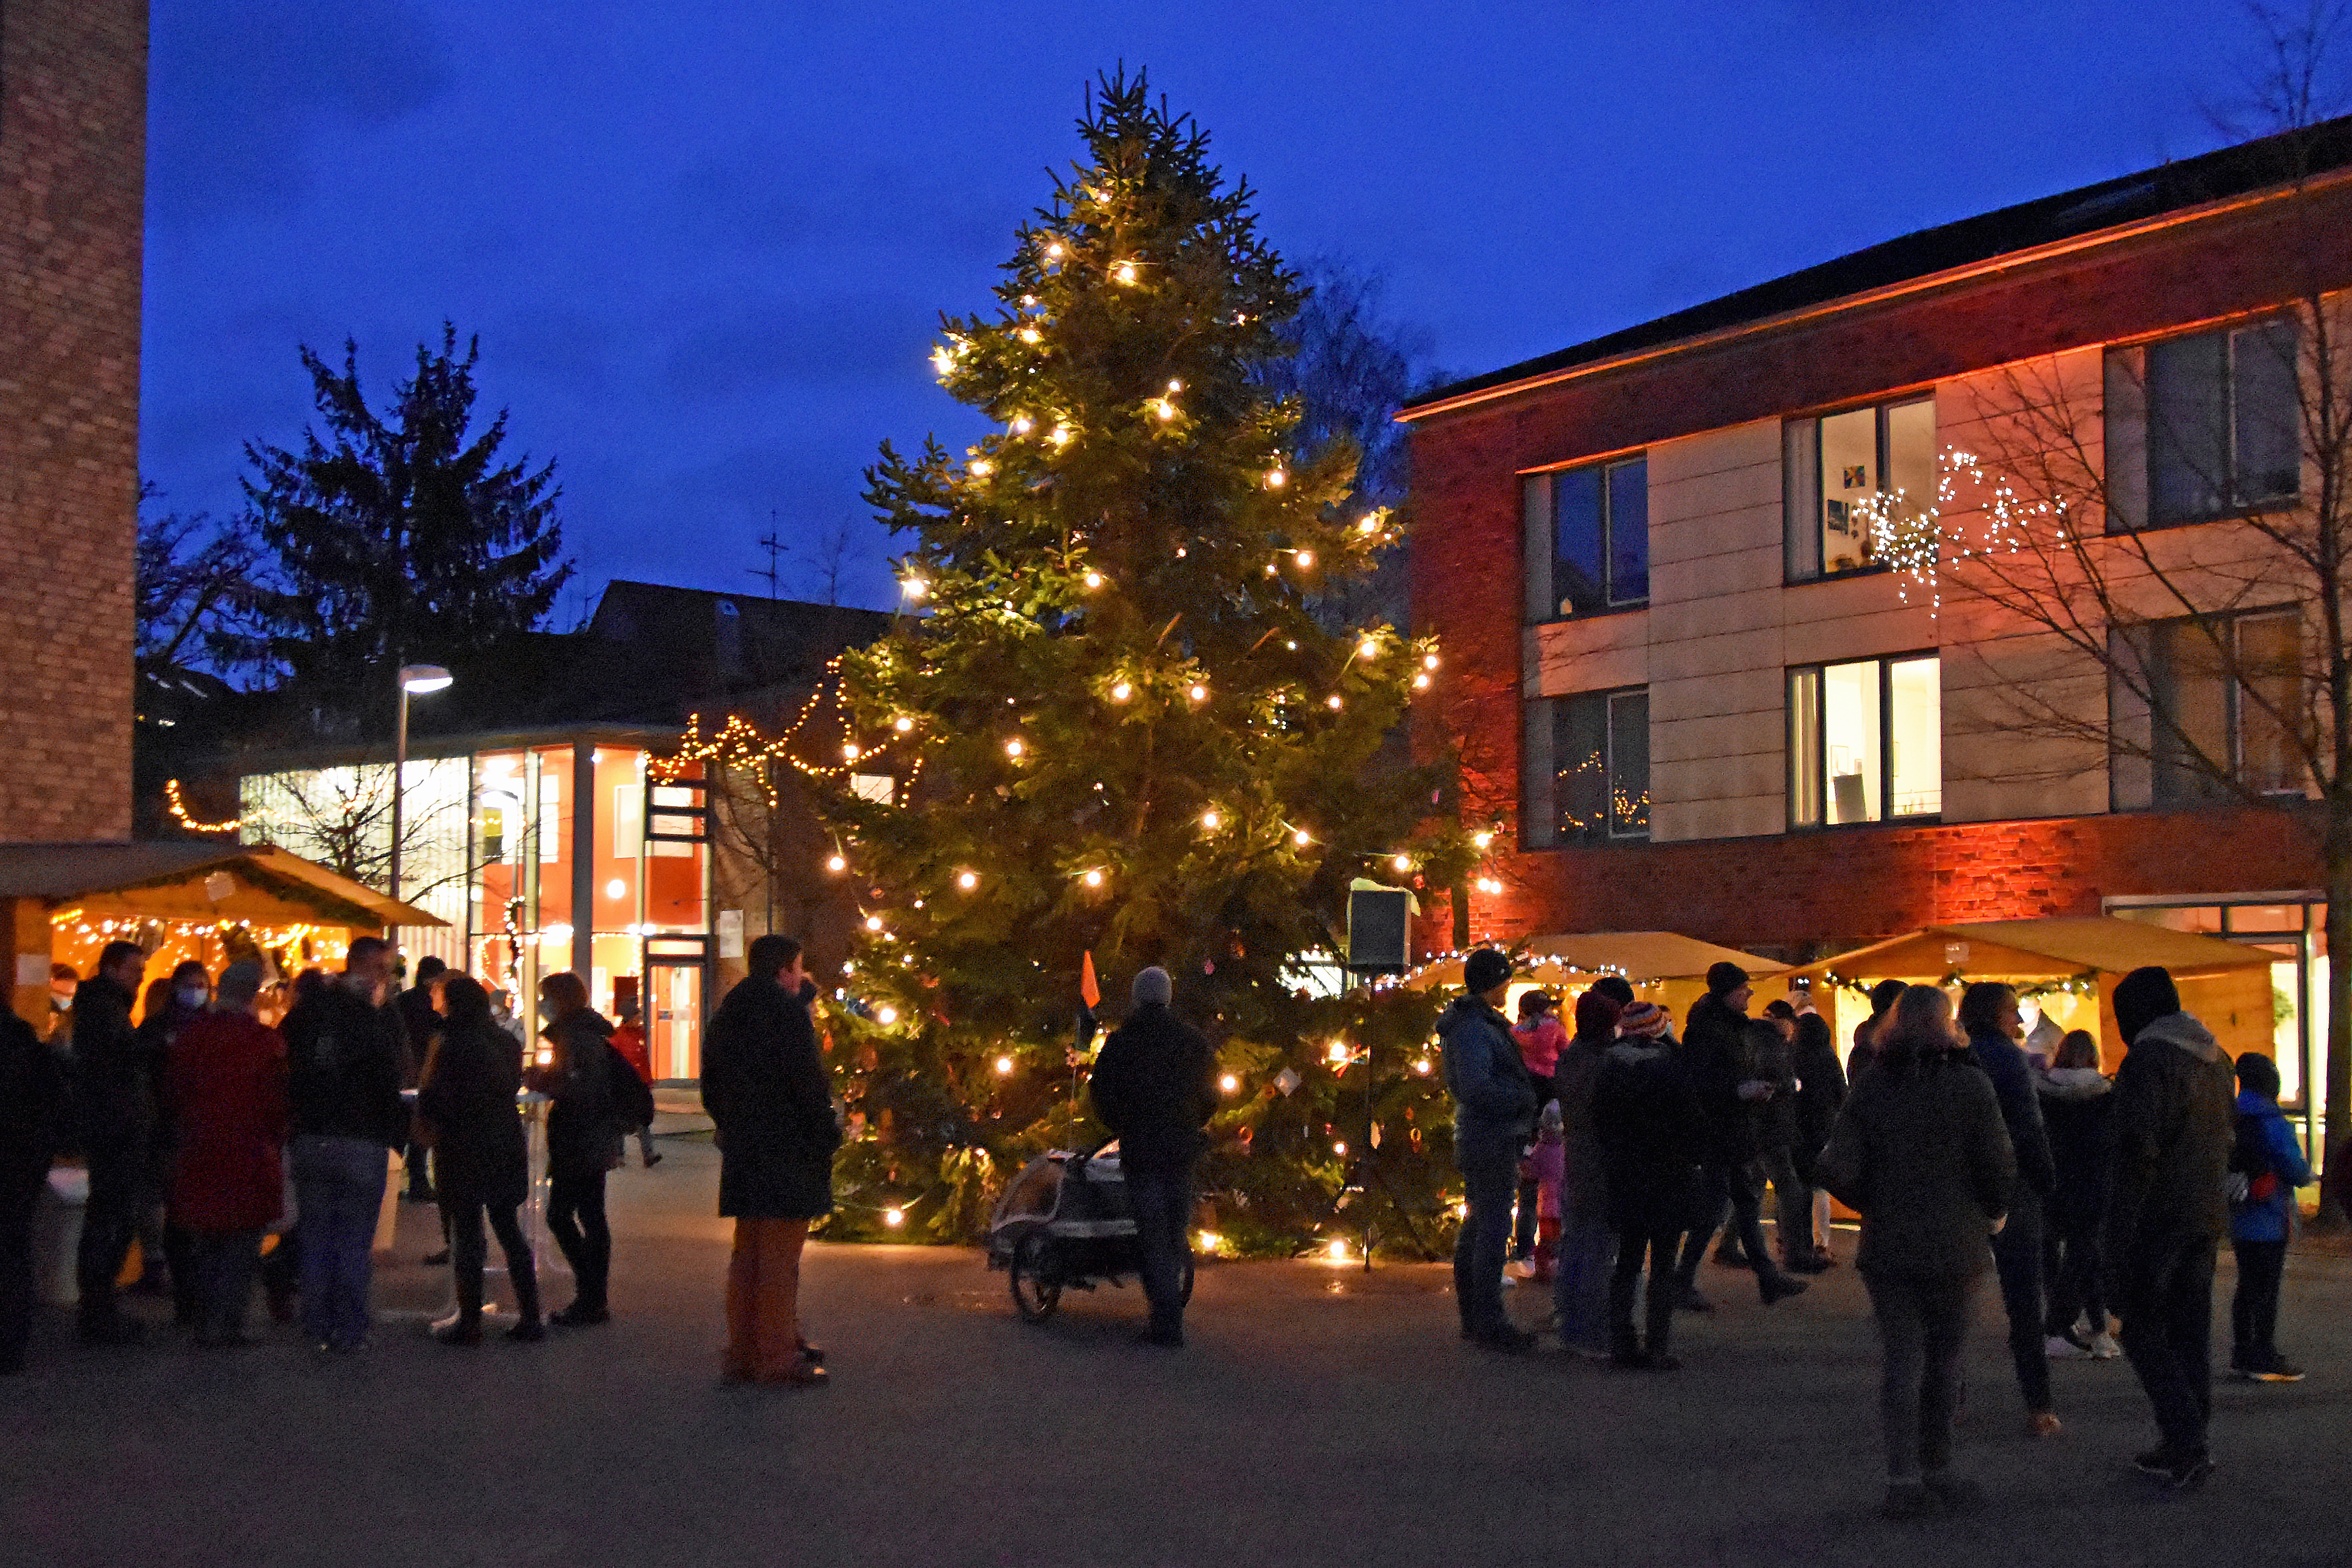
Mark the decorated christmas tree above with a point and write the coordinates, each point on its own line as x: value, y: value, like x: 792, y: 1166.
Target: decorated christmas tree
x: 1126, y: 729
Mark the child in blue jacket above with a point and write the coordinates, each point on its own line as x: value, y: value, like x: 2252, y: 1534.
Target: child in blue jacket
x: 2266, y: 1165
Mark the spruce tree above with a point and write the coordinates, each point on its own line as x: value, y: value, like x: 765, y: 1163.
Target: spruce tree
x: 1120, y: 727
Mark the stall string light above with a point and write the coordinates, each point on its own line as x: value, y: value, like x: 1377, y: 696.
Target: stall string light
x: 179, y: 807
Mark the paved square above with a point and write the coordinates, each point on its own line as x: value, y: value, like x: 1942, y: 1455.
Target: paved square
x: 1318, y: 1416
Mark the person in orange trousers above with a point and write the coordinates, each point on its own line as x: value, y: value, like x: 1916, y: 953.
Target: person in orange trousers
x: 766, y: 1089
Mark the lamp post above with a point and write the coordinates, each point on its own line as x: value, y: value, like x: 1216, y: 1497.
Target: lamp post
x: 419, y: 678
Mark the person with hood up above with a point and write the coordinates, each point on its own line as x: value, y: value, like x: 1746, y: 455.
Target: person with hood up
x: 1652, y: 1130
x: 2266, y: 1165
x: 1720, y: 1057
x: 466, y: 1106
x: 1155, y: 1086
x: 2076, y: 1102
x: 582, y: 1076
x: 1494, y: 1112
x: 1920, y: 1152
x: 765, y: 1087
x: 2167, y: 1208
x: 1991, y: 1020
x: 227, y: 1079
x: 1587, y: 1234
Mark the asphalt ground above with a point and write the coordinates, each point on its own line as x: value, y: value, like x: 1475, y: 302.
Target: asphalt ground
x: 1319, y: 1416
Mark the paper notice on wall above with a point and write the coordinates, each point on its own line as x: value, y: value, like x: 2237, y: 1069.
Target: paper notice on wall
x: 32, y: 969
x: 730, y: 933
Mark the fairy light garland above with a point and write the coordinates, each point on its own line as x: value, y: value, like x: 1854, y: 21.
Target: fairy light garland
x: 179, y: 809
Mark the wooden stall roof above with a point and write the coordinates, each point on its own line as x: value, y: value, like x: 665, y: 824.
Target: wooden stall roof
x: 187, y: 881
x: 1640, y: 955
x: 2041, y: 949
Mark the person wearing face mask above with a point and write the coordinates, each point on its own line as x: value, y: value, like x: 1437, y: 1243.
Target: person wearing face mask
x: 165, y: 1248
x: 227, y: 1080
x: 345, y: 1055
x: 57, y: 1030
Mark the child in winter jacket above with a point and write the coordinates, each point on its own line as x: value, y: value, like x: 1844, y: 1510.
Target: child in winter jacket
x: 2266, y: 1165
x: 1549, y: 1164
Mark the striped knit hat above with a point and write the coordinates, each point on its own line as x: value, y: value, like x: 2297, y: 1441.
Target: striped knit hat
x: 1644, y: 1019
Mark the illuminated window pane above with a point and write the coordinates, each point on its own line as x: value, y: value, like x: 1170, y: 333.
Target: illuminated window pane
x: 1850, y: 759
x: 1915, y: 760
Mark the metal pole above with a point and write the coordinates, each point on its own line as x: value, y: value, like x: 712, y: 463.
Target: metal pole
x: 399, y: 768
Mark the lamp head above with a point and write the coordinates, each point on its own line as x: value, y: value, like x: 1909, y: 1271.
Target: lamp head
x: 419, y: 678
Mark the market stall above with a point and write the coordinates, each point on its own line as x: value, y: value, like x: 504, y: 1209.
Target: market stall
x: 1662, y: 966
x: 2067, y: 970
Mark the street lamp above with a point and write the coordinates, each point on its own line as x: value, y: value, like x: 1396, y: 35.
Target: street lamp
x: 421, y: 679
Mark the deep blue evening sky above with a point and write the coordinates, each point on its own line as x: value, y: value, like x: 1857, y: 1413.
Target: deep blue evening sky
x: 705, y: 244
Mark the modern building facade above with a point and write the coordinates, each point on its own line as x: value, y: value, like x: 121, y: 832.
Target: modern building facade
x: 1703, y: 678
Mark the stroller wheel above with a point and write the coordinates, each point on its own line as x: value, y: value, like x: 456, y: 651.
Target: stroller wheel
x: 1035, y: 1278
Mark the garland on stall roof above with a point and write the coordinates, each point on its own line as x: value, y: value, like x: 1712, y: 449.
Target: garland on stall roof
x: 2084, y: 984
x: 179, y: 807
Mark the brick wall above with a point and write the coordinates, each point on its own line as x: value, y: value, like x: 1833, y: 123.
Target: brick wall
x: 1807, y: 894
x: 73, y: 94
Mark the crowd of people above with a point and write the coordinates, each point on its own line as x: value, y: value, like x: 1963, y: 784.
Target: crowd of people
x: 1967, y: 1148
x: 241, y: 1133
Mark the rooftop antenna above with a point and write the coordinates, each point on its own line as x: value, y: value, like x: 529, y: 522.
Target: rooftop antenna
x: 775, y: 547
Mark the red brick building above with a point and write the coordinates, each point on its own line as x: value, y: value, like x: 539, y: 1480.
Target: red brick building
x: 1691, y: 692
x: 73, y: 121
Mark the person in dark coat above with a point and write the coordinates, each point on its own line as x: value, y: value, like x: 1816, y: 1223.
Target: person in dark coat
x: 1494, y: 1114
x: 115, y: 1096
x: 167, y: 1265
x: 1652, y: 1135
x: 2077, y: 1102
x: 1920, y: 1152
x: 227, y: 1079
x: 1721, y: 1062
x: 1773, y: 1056
x: 466, y: 1105
x: 1588, y: 1232
x: 765, y: 1086
x: 1154, y: 1086
x: 1883, y: 997
x: 33, y: 1103
x: 1821, y: 1093
x: 420, y: 1022
x: 2168, y: 1209
x: 345, y: 1059
x: 1990, y: 1019
x: 584, y: 1141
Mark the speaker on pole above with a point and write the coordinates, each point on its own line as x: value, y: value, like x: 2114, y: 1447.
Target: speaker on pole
x: 1379, y: 928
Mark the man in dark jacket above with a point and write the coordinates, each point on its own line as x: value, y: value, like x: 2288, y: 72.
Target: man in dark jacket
x: 32, y: 1129
x: 115, y: 1092
x: 1493, y: 1111
x: 765, y: 1087
x: 2168, y: 1209
x: 1821, y: 1093
x: 345, y: 1060
x: 1717, y: 1060
x: 420, y: 1023
x: 1154, y: 1086
x: 1992, y: 1020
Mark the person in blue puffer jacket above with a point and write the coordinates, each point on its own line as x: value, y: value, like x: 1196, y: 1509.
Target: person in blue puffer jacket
x: 2266, y: 1165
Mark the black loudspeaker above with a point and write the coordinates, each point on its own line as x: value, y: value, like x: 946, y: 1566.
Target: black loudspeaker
x: 1379, y: 923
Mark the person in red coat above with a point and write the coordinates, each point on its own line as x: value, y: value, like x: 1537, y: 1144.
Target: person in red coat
x: 227, y: 1079
x: 629, y: 1039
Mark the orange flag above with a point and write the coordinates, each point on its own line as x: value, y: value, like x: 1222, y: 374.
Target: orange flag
x: 1088, y: 990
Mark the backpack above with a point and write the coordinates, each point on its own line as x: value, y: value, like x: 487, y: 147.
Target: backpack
x: 2252, y: 1179
x: 632, y: 1098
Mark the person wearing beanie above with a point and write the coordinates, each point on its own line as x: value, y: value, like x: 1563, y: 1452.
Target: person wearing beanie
x: 1990, y: 1017
x: 2266, y: 1165
x: 1587, y: 1239
x: 1617, y: 988
x: 1494, y: 1112
x: 1720, y: 1057
x: 225, y: 1075
x: 1155, y: 1086
x: 1883, y: 997
x: 1644, y: 1021
x: 1647, y: 1115
x: 2168, y: 1209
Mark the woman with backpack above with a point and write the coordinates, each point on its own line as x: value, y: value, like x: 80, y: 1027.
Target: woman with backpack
x: 2266, y: 1165
x: 595, y: 1096
x: 466, y: 1106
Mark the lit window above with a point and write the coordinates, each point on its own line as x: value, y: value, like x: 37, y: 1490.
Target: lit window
x: 1865, y: 742
x: 1586, y: 773
x: 1587, y: 539
x: 1849, y: 477
x: 879, y: 788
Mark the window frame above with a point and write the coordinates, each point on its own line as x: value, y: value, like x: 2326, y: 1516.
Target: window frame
x: 1537, y: 832
x: 2124, y: 770
x: 2129, y: 392
x: 1547, y: 611
x: 1791, y: 571
x: 1818, y: 756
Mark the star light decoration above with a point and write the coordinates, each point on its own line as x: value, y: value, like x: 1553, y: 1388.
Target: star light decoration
x: 1915, y: 540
